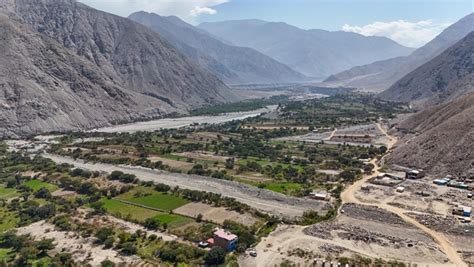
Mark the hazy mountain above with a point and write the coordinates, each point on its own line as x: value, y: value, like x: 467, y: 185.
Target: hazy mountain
x: 381, y: 75
x: 67, y: 66
x: 443, y: 78
x: 441, y: 139
x: 231, y: 63
x: 315, y: 53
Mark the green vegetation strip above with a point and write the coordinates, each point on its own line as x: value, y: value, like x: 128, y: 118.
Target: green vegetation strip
x: 36, y: 185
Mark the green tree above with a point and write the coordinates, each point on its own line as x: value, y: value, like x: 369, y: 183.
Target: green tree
x: 215, y: 256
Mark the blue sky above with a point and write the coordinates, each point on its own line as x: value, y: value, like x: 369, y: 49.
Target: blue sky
x: 410, y: 22
x: 333, y: 14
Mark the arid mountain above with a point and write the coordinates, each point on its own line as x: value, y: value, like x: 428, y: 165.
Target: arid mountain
x: 380, y: 75
x: 315, y: 53
x: 230, y: 63
x: 441, y: 139
x: 443, y: 78
x: 66, y: 66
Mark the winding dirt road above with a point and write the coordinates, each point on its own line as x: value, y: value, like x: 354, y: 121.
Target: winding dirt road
x: 348, y: 196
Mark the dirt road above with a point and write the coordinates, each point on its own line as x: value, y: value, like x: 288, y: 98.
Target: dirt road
x: 261, y: 199
x: 348, y: 196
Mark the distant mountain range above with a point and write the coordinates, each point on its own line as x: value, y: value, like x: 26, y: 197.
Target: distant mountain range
x: 233, y: 64
x: 315, y: 53
x: 66, y: 66
x: 440, y: 138
x: 380, y: 75
x: 441, y: 79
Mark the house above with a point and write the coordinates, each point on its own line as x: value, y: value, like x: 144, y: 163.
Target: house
x: 319, y: 196
x: 225, y: 240
x: 414, y: 174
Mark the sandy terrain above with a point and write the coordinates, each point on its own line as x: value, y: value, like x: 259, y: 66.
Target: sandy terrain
x: 83, y: 249
x: 345, y: 238
x: 182, y: 122
x: 215, y: 214
x: 373, y: 228
x: 261, y: 199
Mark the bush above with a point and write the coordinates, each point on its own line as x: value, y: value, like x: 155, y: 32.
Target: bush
x: 215, y: 256
x: 162, y: 187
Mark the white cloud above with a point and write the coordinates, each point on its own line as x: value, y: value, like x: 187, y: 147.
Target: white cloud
x: 185, y: 9
x: 413, y: 34
x: 202, y: 10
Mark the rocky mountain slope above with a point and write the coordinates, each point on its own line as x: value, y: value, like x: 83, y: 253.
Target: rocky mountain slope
x: 380, y: 75
x: 443, y: 78
x: 441, y: 139
x: 66, y: 66
x: 315, y: 53
x: 232, y: 64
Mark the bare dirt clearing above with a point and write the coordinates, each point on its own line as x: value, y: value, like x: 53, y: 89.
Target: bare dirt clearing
x: 215, y: 214
x: 82, y: 249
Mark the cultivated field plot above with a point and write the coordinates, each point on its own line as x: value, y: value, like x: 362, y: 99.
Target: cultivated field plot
x: 148, y: 197
x: 215, y: 214
x: 140, y: 214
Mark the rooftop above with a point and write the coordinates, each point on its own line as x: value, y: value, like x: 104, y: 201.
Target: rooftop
x: 225, y: 235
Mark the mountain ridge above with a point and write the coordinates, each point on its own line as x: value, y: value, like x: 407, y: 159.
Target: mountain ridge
x: 380, y: 75
x: 441, y: 79
x: 72, y: 69
x: 230, y: 63
x: 315, y: 53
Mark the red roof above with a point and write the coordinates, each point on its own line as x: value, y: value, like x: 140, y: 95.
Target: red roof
x: 225, y: 235
x: 210, y: 241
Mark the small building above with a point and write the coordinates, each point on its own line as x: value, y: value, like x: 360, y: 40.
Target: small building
x: 400, y: 189
x: 365, y: 188
x: 319, y: 196
x: 225, y: 240
x: 462, y: 211
x: 466, y: 211
x: 414, y: 174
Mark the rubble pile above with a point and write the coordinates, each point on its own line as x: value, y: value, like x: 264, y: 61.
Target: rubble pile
x: 374, y: 214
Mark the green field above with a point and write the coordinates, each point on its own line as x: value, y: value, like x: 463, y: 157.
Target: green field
x: 36, y: 185
x: 284, y: 187
x: 134, y: 213
x: 5, y: 254
x: 6, y: 193
x: 153, y: 199
x: 172, y: 219
x: 119, y: 209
